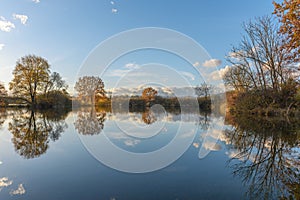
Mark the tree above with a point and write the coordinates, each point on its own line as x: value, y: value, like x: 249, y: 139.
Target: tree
x: 149, y: 95
x: 3, y: 94
x: 55, y: 83
x: 3, y: 91
x: 237, y: 79
x: 203, y: 90
x: 55, y: 93
x: 259, y: 62
x: 55, y: 99
x: 31, y: 74
x: 88, y: 87
x: 288, y: 13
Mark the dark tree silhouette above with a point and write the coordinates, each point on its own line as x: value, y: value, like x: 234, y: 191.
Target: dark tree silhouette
x: 203, y: 90
x: 264, y: 157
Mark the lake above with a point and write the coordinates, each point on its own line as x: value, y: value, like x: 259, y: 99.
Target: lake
x: 100, y: 154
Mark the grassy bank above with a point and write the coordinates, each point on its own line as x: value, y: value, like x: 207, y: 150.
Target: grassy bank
x: 254, y: 104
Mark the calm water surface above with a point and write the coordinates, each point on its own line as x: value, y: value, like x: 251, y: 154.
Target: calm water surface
x: 42, y: 157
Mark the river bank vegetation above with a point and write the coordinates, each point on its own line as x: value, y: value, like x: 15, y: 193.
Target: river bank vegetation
x: 35, y: 86
x: 264, y: 72
x: 263, y: 78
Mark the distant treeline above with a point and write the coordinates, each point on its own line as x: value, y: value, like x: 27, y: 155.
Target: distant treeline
x: 138, y: 103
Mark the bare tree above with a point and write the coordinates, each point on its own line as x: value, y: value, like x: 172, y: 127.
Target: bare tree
x: 259, y: 62
x: 203, y: 90
x: 55, y: 83
x: 237, y: 79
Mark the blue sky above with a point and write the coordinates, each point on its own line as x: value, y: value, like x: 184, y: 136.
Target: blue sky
x: 64, y: 32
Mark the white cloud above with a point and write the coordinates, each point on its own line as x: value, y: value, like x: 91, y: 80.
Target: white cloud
x: 167, y: 91
x: 36, y: 1
x: 163, y: 91
x: 22, y: 18
x: 131, y: 142
x: 121, y: 72
x: 187, y: 134
x: 118, y: 72
x: 219, y: 74
x: 1, y: 46
x: 196, y: 145
x: 223, y: 71
x: 233, y: 54
x: 131, y: 66
x: 212, y: 146
x: 215, y: 75
x: 161, y: 117
x: 196, y: 64
x: 5, y: 182
x: 19, y: 191
x: 119, y: 135
x: 189, y: 75
x: 114, y: 10
x: 212, y: 63
x: 112, y: 2
x: 236, y: 55
x: 5, y: 25
x: 232, y: 153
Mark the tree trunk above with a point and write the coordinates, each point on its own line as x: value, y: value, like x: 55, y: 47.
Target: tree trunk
x: 33, y: 101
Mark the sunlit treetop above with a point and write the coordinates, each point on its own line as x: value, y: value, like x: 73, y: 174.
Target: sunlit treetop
x: 289, y: 16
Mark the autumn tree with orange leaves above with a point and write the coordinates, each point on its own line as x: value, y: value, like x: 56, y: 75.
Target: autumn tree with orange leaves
x: 288, y: 13
x: 149, y: 95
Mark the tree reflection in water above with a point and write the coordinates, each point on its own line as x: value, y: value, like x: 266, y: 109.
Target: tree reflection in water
x: 90, y: 121
x: 266, y: 156
x: 32, y: 131
x: 148, y: 117
x: 204, y: 121
x: 3, y: 116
